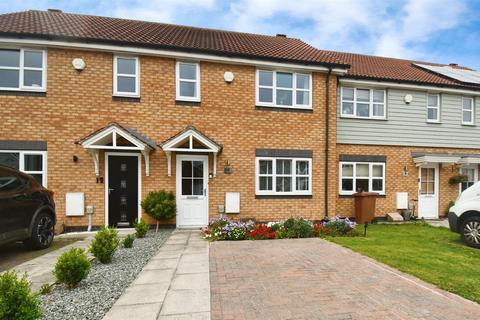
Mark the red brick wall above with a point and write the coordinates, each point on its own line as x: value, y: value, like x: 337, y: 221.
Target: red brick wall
x: 78, y: 103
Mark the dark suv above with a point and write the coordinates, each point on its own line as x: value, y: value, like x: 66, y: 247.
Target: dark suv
x: 27, y: 210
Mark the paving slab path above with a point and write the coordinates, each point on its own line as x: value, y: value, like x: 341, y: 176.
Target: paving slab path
x: 316, y: 279
x: 174, y: 284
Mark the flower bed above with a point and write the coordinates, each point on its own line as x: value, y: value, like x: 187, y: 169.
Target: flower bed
x: 223, y: 228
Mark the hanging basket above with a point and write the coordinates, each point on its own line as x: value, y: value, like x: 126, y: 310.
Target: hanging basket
x: 459, y: 178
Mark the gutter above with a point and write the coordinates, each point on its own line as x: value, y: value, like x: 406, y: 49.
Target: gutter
x: 327, y: 142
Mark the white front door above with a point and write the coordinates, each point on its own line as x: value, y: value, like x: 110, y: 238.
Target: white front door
x: 192, y: 191
x: 428, y: 191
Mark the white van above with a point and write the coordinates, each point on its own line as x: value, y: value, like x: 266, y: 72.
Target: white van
x: 464, y: 216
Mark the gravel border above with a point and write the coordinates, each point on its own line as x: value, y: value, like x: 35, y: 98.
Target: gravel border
x: 95, y: 295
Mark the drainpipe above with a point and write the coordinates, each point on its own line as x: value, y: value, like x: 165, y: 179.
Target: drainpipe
x: 327, y: 137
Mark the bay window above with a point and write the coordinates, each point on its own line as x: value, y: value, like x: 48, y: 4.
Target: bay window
x: 22, y: 69
x: 362, y: 176
x: 283, y: 176
x: 363, y: 103
x: 283, y: 89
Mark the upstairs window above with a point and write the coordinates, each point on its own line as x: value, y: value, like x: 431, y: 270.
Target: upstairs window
x: 22, y: 69
x: 363, y: 103
x: 282, y: 176
x: 283, y: 89
x: 362, y: 176
x: 467, y: 111
x: 188, y: 81
x: 126, y: 78
x: 433, y: 108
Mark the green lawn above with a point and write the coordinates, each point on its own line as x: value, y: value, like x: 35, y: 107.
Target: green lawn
x: 435, y: 255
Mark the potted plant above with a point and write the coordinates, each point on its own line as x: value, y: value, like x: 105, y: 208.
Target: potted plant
x: 160, y: 205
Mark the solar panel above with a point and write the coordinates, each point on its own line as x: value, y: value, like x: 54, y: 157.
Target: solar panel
x: 467, y: 76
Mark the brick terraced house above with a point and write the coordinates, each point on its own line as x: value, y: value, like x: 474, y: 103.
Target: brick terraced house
x: 104, y: 110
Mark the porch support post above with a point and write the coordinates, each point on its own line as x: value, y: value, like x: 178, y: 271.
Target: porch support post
x: 214, y: 164
x: 146, y: 157
x: 169, y: 163
x: 95, y: 153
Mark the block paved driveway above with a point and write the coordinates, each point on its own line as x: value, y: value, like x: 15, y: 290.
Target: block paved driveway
x: 316, y: 279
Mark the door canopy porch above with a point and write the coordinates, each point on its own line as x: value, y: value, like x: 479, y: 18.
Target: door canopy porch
x: 190, y: 140
x: 115, y: 137
x: 445, y: 159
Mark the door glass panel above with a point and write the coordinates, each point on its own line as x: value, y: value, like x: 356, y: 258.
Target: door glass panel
x: 186, y: 168
x: 187, y: 187
x: 197, y: 169
x: 198, y: 187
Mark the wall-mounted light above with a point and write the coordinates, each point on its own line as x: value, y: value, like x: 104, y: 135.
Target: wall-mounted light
x: 228, y: 168
x: 405, y: 171
x: 228, y: 76
x: 75, y: 159
x: 79, y: 64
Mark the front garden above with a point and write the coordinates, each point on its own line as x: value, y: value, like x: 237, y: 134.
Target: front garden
x: 223, y: 228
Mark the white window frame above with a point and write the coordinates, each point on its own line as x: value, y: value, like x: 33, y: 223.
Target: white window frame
x: 117, y: 93
x: 21, y: 68
x: 21, y: 162
x: 274, y: 90
x: 473, y: 167
x: 196, y: 81
x: 437, y: 107
x: 468, y: 123
x: 354, y: 177
x: 274, y: 177
x: 370, y: 104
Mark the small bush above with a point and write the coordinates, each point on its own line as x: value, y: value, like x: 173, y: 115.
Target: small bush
x: 46, y: 288
x: 295, y: 228
x: 72, y: 267
x: 17, y: 301
x: 160, y: 205
x: 336, y: 227
x: 141, y: 228
x: 105, y: 244
x: 128, y: 241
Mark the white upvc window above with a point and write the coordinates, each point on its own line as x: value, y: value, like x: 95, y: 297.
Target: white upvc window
x: 471, y: 172
x: 283, y: 89
x: 188, y: 81
x: 468, y: 111
x: 433, y: 108
x: 283, y: 176
x: 363, y: 103
x: 23, y: 69
x: 362, y: 176
x: 126, y: 76
x: 33, y: 163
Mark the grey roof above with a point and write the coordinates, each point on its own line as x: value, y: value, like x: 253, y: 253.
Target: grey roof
x: 151, y: 143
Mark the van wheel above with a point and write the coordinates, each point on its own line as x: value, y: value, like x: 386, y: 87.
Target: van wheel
x: 43, y: 231
x: 470, y: 231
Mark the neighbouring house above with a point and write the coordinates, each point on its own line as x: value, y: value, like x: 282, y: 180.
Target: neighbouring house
x: 104, y: 110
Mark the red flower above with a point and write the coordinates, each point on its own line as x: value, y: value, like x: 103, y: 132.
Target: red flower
x: 261, y: 232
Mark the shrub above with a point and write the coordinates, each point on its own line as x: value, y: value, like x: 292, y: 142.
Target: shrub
x: 261, y: 232
x: 295, y: 228
x: 128, y: 241
x: 17, y: 301
x: 336, y: 227
x: 72, y: 267
x: 160, y: 205
x: 141, y: 228
x: 105, y: 244
x: 46, y: 288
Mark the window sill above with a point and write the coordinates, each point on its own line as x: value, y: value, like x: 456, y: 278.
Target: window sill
x: 283, y: 196
x: 187, y: 103
x: 433, y: 122
x: 362, y: 118
x: 125, y: 99
x: 283, y: 109
x: 468, y: 124
x: 25, y: 93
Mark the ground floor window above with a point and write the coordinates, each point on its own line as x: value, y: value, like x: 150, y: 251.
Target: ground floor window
x: 362, y: 176
x: 283, y: 176
x: 470, y: 173
x: 33, y: 163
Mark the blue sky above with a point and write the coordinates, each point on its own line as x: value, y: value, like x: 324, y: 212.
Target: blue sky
x: 444, y: 31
